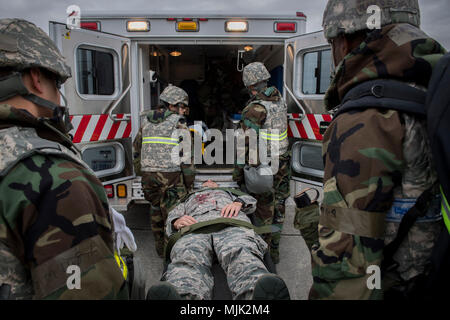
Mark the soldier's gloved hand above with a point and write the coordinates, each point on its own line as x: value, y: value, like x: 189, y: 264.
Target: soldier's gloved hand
x: 183, y: 222
x: 122, y: 233
x: 231, y: 210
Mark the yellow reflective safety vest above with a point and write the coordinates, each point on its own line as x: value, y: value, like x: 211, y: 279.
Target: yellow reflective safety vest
x: 275, y: 128
x: 158, y: 144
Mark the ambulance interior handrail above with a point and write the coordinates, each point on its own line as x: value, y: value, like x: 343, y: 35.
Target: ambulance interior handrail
x: 297, y: 102
x: 126, y: 78
x: 115, y: 104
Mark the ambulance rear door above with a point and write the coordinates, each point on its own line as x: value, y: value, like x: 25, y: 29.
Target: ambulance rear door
x: 98, y: 96
x: 308, y: 66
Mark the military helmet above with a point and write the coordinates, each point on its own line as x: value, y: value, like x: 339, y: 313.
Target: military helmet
x: 348, y: 17
x: 24, y: 45
x: 174, y: 95
x: 255, y: 72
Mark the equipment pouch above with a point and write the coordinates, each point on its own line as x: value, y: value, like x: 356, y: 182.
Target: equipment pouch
x: 258, y: 180
x: 307, y: 221
x: 307, y: 217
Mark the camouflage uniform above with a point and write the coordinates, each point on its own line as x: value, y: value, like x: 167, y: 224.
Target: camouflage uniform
x: 163, y: 183
x: 374, y: 160
x: 239, y: 250
x: 271, y: 205
x: 54, y: 212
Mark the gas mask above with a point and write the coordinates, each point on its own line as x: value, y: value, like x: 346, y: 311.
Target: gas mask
x: 61, y: 116
x: 259, y: 87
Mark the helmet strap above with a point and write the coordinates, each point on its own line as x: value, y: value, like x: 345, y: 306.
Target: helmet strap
x: 12, y: 85
x: 60, y: 118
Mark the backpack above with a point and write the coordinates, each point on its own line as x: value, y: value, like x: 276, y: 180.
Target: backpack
x: 434, y: 104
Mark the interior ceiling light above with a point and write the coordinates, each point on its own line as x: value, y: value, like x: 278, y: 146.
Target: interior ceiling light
x: 175, y: 53
x: 248, y: 48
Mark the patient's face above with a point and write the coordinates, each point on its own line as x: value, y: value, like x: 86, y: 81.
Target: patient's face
x: 210, y: 184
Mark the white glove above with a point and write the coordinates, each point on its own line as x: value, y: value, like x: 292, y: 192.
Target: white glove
x: 122, y: 232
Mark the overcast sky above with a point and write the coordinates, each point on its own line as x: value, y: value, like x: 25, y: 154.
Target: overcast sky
x: 435, y: 13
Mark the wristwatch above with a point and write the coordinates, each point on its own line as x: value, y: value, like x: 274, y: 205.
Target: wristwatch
x: 240, y: 201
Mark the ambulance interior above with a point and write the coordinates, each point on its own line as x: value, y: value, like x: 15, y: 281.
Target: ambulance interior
x: 210, y: 74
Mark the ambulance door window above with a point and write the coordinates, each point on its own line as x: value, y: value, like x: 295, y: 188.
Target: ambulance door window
x: 325, y: 71
x: 307, y: 158
x: 95, y: 72
x: 104, y: 159
x: 316, y: 72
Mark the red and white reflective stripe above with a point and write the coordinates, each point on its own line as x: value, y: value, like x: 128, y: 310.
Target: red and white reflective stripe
x: 308, y: 128
x: 98, y: 127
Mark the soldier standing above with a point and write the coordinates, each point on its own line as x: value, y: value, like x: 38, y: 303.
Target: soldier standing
x: 54, y: 211
x: 377, y: 161
x: 267, y: 111
x: 163, y: 181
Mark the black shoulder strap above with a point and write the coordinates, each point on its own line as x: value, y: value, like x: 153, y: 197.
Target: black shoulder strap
x: 384, y: 94
x: 438, y: 108
x: 418, y: 210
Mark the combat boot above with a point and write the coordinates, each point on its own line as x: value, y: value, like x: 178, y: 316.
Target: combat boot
x: 270, y: 287
x: 275, y: 255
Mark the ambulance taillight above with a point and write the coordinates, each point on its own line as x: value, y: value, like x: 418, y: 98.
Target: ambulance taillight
x: 90, y: 25
x: 285, y: 27
x: 109, y: 189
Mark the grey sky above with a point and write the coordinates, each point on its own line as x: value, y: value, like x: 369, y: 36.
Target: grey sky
x: 435, y: 13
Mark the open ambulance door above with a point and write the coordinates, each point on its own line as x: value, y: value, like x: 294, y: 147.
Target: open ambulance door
x: 307, y: 75
x: 98, y: 96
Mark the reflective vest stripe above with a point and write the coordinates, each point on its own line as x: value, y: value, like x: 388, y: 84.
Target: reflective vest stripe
x: 273, y: 136
x: 122, y: 265
x: 445, y: 210
x: 161, y: 140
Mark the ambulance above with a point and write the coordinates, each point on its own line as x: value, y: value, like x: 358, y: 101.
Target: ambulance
x: 121, y: 62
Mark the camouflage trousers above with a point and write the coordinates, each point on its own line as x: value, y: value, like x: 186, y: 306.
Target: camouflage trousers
x: 270, y: 208
x: 162, y: 190
x: 239, y: 251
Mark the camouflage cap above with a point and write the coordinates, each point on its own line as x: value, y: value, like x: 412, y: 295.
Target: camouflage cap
x: 350, y: 16
x: 24, y: 45
x: 255, y: 72
x: 174, y: 95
